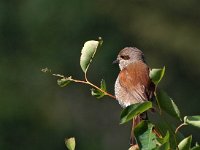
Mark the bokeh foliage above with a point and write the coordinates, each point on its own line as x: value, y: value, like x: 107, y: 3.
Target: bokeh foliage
x: 36, y: 114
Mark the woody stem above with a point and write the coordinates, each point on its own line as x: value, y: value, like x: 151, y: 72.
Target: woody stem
x: 183, y: 124
x: 96, y: 87
x: 86, y: 82
x: 106, y: 93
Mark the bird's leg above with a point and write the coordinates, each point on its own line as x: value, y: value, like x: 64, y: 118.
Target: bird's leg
x: 132, y: 138
x: 135, y: 121
x: 156, y: 133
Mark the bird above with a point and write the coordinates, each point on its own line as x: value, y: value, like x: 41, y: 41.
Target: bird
x: 133, y: 84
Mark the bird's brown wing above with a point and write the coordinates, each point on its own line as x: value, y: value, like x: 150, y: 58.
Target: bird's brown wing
x: 135, y: 79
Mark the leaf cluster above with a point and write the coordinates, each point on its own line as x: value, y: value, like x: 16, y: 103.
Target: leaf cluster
x: 169, y: 137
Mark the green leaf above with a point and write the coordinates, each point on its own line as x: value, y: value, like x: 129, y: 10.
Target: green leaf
x: 165, y: 146
x: 164, y: 139
x: 192, y: 120
x: 146, y: 139
x: 97, y: 93
x: 133, y: 110
x: 196, y: 147
x: 163, y: 124
x: 70, y: 143
x: 156, y: 75
x: 64, y: 81
x: 88, y: 51
x: 167, y: 104
x: 185, y: 144
x: 103, y: 85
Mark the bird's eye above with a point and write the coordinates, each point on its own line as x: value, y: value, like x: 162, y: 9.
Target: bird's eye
x: 125, y: 57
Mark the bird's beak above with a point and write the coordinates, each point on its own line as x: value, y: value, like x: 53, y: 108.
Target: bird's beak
x: 116, y: 61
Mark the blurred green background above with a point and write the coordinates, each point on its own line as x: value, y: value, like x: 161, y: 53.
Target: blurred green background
x: 36, y: 114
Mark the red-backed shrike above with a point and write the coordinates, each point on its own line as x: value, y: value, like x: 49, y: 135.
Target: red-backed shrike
x: 133, y: 84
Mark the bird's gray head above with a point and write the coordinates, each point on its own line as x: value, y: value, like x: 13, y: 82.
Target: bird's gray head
x: 129, y: 55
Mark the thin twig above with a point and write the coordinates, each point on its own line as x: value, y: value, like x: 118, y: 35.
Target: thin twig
x: 86, y: 79
x: 58, y: 75
x: 86, y: 82
x: 155, y: 93
x: 157, y: 133
x: 106, y: 93
x: 79, y: 81
x: 96, y: 87
x: 183, y: 124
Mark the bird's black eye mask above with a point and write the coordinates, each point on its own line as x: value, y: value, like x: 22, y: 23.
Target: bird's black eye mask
x: 125, y: 57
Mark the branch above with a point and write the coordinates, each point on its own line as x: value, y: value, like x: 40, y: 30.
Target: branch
x: 86, y: 82
x: 183, y: 124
